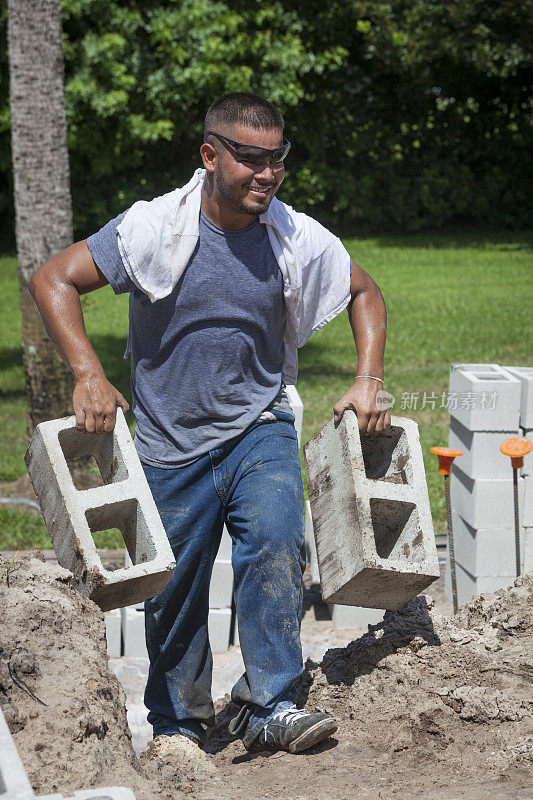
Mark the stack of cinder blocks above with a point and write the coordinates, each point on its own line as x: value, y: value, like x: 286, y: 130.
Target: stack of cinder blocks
x: 488, y: 404
x: 371, y: 516
x: 14, y: 783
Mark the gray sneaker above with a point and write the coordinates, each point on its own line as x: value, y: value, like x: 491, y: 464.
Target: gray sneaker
x: 294, y: 730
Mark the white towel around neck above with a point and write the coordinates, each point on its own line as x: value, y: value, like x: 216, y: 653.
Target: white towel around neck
x: 156, y: 240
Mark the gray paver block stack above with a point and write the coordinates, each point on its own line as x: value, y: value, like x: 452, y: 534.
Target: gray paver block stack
x: 124, y: 501
x: 371, y: 516
x: 489, y: 408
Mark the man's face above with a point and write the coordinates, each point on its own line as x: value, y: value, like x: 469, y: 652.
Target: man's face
x: 247, y: 188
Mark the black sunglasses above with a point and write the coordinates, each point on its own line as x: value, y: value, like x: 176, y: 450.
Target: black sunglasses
x: 250, y: 153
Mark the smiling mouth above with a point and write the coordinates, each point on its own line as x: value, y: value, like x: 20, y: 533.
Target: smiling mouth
x: 260, y: 189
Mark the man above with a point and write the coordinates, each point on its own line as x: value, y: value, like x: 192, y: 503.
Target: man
x: 225, y: 283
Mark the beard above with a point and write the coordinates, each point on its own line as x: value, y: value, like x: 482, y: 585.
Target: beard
x: 231, y: 193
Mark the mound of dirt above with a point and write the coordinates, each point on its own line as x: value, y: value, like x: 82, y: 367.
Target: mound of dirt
x: 427, y: 705
x: 63, y: 705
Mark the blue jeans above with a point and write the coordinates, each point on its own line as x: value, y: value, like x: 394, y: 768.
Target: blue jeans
x: 254, y: 485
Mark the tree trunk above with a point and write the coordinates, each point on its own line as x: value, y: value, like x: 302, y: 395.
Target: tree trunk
x: 41, y: 186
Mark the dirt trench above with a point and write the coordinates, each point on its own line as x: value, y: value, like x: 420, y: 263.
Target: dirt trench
x: 429, y: 707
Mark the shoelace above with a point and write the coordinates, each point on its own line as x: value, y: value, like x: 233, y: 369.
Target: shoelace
x: 290, y: 715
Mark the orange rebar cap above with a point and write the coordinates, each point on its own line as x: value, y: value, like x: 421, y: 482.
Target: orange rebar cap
x: 516, y: 448
x: 446, y: 456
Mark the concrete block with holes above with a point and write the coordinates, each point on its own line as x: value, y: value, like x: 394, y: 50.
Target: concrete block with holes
x: 487, y: 397
x: 125, y: 502
x: 371, y: 516
x: 310, y: 544
x: 469, y: 585
x: 481, y: 457
x: 486, y: 502
x: 525, y: 376
x: 298, y: 408
x: 527, y: 513
x: 219, y: 627
x: 485, y: 551
x: 113, y: 631
x: 221, y: 586
x: 225, y: 547
x: 133, y: 635
x: 527, y: 469
x: 528, y: 550
x: 14, y: 783
x: 355, y: 617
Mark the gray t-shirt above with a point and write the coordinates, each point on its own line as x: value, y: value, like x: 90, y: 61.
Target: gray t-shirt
x: 206, y: 361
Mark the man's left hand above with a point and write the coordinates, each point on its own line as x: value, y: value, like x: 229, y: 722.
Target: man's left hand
x: 365, y: 399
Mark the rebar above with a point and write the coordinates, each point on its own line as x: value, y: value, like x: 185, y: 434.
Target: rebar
x: 516, y: 522
x: 450, y: 542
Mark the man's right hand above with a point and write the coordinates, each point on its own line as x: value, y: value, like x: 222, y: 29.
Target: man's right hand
x: 95, y: 401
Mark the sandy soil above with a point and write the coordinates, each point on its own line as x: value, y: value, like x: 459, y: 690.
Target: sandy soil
x: 427, y: 706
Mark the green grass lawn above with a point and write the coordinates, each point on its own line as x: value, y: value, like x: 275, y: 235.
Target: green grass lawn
x: 457, y: 297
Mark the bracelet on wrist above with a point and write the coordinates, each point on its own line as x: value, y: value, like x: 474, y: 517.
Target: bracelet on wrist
x: 373, y: 377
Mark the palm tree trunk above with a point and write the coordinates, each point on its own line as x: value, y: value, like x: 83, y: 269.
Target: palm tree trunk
x: 41, y: 185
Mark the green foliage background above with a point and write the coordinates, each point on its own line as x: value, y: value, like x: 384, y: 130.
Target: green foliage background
x: 404, y: 114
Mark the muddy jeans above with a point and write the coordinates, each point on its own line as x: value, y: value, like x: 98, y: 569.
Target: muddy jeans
x: 254, y: 485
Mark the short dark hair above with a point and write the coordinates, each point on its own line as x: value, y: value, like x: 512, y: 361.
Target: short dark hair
x: 245, y: 109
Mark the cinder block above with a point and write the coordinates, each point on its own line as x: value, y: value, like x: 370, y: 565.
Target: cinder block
x: 219, y: 624
x: 221, y: 587
x: 487, y: 397
x: 225, y: 549
x: 371, y: 516
x: 354, y: 617
x: 14, y: 783
x: 133, y: 634
x: 124, y: 502
x: 485, y: 552
x: 113, y: 629
x: 527, y: 513
x: 310, y: 544
x: 298, y: 409
x: 525, y: 376
x: 468, y: 585
x: 485, y: 503
x: 482, y: 457
x: 528, y: 550
x: 527, y: 469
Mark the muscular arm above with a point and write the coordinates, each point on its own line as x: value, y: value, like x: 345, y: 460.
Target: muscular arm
x: 368, y: 319
x: 56, y: 288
